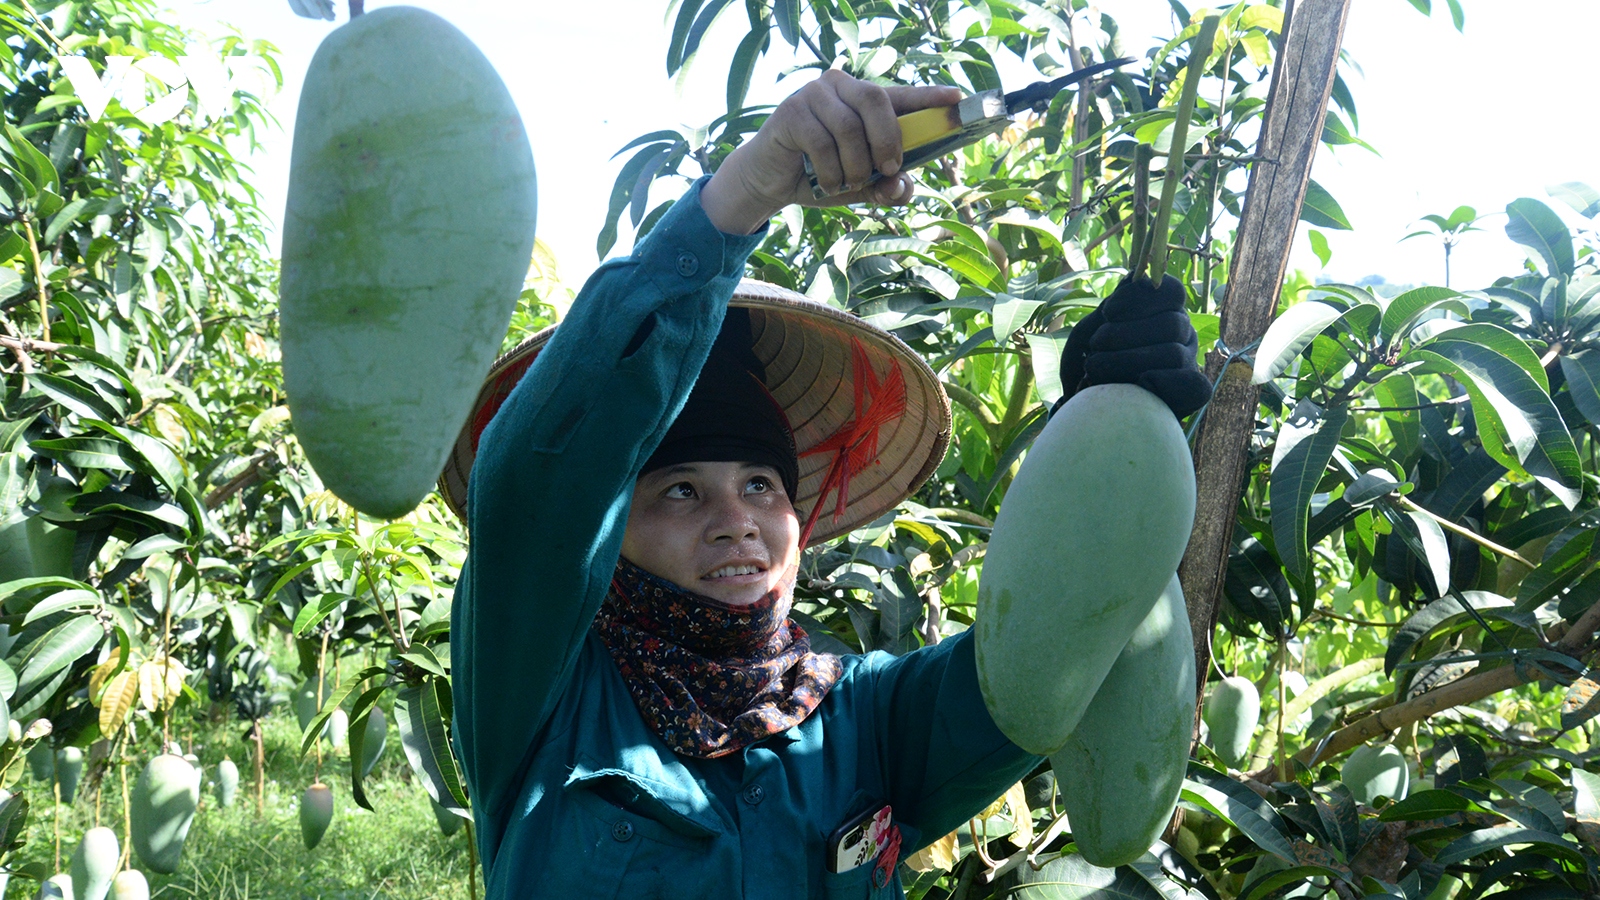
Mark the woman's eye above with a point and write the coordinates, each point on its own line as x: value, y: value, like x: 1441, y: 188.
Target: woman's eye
x: 760, y: 484
x: 683, y: 490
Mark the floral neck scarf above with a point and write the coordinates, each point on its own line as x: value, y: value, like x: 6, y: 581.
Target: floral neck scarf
x: 710, y: 678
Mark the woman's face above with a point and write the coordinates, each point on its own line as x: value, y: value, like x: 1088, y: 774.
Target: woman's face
x: 724, y: 530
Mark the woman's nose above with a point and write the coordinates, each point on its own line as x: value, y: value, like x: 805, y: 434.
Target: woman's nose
x: 731, y: 519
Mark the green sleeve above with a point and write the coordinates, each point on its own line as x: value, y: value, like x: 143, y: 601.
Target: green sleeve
x: 944, y: 758
x: 553, y: 478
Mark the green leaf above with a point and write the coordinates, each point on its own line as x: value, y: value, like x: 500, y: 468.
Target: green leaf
x: 312, y: 613
x: 1289, y: 334
x: 1535, y: 226
x: 1240, y: 807
x: 1322, y: 210
x: 622, y: 191
x: 743, y: 67
x: 787, y: 15
x: 424, y: 724
x: 1319, y: 244
x: 1010, y: 314
x: 57, y: 649
x: 1424, y: 621
x: 1517, y: 421
x: 1404, y: 310
x: 1586, y: 794
x: 1044, y: 354
x: 359, y: 714
x: 1425, y: 805
x: 680, y: 34
x: 1565, y: 565
x: 26, y: 584
x: 1294, y: 480
x: 1435, y: 550
x: 84, y: 453
x: 60, y: 602
x: 1582, y: 371
x: 1480, y: 842
x: 1579, y: 196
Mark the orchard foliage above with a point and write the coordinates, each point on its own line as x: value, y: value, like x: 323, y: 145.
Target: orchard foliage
x: 1419, y: 518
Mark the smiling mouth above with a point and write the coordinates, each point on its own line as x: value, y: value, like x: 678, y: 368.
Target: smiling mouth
x: 732, y: 571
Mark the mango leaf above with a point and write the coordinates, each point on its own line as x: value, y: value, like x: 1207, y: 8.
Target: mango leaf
x: 1536, y: 226
x: 1240, y: 807
x: 312, y: 613
x: 422, y: 713
x: 1404, y: 310
x: 1010, y: 314
x: 1322, y: 210
x: 743, y: 67
x: 1582, y: 371
x: 1557, y: 571
x: 60, y: 602
x: 1424, y: 621
x: 1585, y: 794
x: 1289, y: 334
x: 1293, y: 482
x: 1044, y: 354
x: 1485, y: 840
x: 313, y: 9
x: 1579, y: 196
x: 359, y: 714
x: 57, y: 649
x: 1518, y: 423
x: 1425, y: 805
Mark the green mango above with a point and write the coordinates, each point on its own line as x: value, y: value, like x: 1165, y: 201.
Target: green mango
x: 94, y: 863
x: 161, y: 809
x: 316, y: 811
x: 1090, y: 532
x: 130, y: 885
x: 56, y: 887
x: 407, y: 236
x: 227, y: 782
x: 1373, y: 771
x: 374, y: 740
x: 1231, y: 713
x: 69, y: 768
x: 1122, y: 769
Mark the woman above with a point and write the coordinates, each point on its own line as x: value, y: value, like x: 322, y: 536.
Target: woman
x: 635, y: 712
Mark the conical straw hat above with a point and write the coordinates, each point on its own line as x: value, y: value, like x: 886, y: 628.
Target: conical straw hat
x: 871, y: 421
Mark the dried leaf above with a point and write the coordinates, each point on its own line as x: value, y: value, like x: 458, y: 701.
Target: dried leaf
x: 940, y: 854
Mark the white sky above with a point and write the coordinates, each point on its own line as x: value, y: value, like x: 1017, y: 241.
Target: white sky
x: 1480, y: 118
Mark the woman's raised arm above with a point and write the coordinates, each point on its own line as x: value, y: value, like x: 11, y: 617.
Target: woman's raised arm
x: 555, y: 469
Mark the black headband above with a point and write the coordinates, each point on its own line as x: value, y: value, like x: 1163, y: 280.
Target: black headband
x: 730, y: 416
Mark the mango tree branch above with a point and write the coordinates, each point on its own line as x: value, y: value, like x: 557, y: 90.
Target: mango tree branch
x: 1303, y: 701
x: 1460, y: 692
x: 1468, y: 533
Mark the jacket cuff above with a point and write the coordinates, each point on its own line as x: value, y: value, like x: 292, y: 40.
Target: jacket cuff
x: 685, y: 252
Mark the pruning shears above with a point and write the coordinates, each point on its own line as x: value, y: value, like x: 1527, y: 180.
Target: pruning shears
x: 928, y: 134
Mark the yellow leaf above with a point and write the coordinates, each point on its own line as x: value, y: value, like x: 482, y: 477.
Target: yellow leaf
x: 117, y: 702
x: 1017, y: 799
x: 940, y: 854
x: 98, y: 677
x: 161, y: 682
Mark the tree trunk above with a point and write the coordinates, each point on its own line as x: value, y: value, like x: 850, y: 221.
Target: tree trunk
x: 1302, y: 80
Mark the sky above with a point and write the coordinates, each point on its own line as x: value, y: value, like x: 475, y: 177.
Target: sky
x: 1477, y: 118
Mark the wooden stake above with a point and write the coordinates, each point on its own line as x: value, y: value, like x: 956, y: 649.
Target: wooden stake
x: 1297, y: 104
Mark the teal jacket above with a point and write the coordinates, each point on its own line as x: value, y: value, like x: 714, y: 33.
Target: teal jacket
x: 573, y: 795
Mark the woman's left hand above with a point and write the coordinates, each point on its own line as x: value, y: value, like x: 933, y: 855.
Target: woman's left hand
x: 848, y: 128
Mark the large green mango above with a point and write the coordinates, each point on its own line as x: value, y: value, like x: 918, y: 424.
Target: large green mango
x: 161, y: 809
x: 406, y: 240
x: 316, y: 811
x: 1090, y: 532
x: 1231, y: 714
x: 1373, y: 771
x: 1121, y: 770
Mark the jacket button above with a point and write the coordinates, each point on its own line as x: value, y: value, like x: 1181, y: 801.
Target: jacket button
x: 622, y: 831
x: 754, y: 794
x: 687, y: 264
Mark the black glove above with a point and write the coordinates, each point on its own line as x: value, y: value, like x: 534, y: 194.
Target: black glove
x: 1141, y: 335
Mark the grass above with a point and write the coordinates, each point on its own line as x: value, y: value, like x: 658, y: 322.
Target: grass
x: 395, y: 853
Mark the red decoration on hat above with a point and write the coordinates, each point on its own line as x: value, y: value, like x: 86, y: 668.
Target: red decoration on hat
x: 505, y: 381
x: 855, y: 444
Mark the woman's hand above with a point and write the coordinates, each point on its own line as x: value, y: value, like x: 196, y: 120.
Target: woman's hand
x: 846, y: 126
